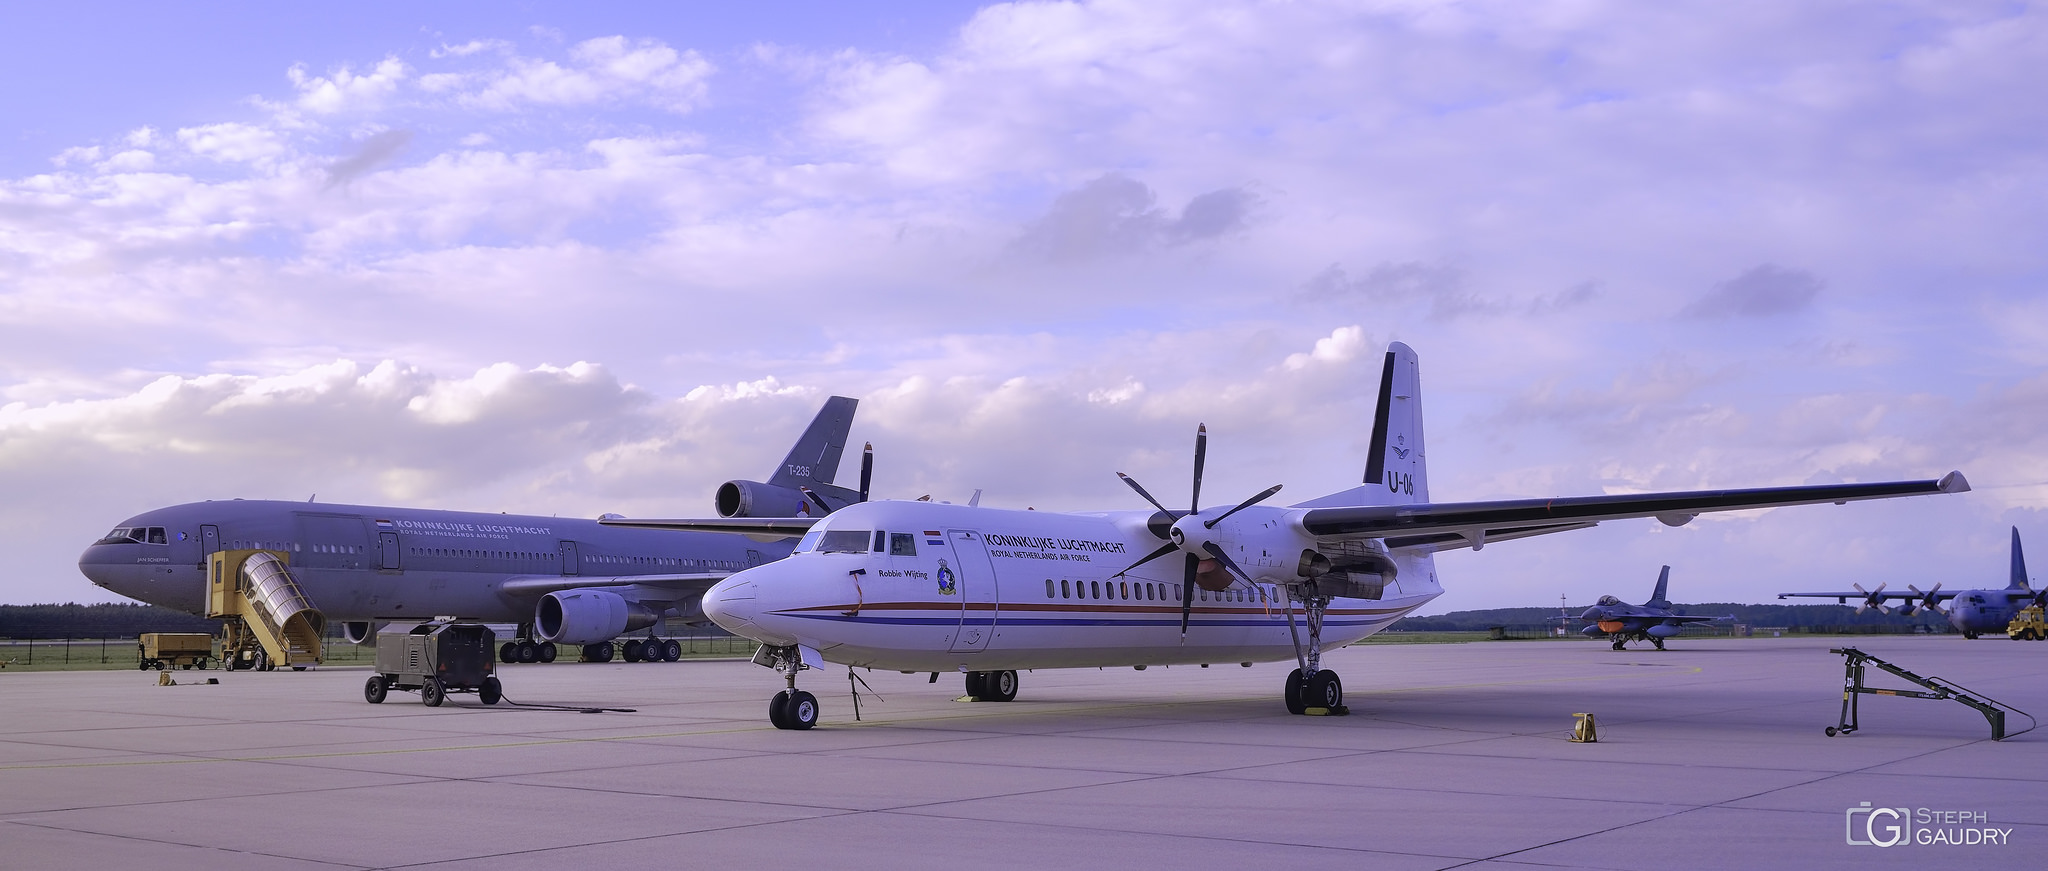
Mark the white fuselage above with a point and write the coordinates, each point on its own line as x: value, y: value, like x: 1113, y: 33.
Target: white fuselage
x: 952, y: 587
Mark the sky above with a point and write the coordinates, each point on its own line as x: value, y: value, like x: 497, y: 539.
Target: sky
x: 571, y: 258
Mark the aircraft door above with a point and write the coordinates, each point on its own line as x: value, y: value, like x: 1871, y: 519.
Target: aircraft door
x: 974, y: 581
x: 571, y: 565
x: 209, y: 539
x: 387, y: 545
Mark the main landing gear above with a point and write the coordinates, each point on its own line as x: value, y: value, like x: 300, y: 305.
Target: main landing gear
x: 1312, y: 689
x: 1621, y: 641
x: 524, y: 649
x: 992, y: 686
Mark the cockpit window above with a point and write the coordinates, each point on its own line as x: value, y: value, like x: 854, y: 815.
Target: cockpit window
x: 844, y: 541
x: 1609, y: 600
x: 810, y: 540
x: 135, y: 535
x: 902, y: 544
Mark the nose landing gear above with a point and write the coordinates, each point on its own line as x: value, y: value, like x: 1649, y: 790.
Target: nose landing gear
x: 792, y: 708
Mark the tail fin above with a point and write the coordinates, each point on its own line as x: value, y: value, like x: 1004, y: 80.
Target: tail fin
x: 1396, y: 456
x: 1657, y: 599
x: 2019, y: 564
x: 815, y: 458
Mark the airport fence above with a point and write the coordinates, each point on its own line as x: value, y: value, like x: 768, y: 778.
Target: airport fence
x: 117, y: 652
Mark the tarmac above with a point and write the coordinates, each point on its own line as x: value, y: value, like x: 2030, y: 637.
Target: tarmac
x: 1710, y: 755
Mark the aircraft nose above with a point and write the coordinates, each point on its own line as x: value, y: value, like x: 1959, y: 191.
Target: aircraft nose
x: 732, y: 604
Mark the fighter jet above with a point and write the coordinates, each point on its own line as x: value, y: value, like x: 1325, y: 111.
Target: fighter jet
x: 1971, y: 612
x: 1652, y: 621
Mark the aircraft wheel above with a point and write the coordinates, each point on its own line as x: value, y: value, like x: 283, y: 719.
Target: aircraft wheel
x: 634, y: 648
x: 1618, y: 644
x: 977, y: 684
x: 548, y: 651
x: 491, y: 691
x: 374, y: 690
x: 528, y: 651
x: 1295, y: 691
x: 431, y: 693
x: 1969, y: 636
x: 144, y: 666
x: 1659, y: 642
x: 508, y: 652
x: 803, y: 710
x: 778, y: 710
x: 672, y: 650
x: 605, y: 651
x: 1001, y: 686
x: 1325, y: 690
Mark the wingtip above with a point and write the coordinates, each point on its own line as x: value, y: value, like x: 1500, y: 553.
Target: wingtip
x: 1953, y: 482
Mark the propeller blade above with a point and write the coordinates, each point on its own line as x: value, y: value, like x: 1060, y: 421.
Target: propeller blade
x: 816, y: 500
x: 1141, y: 491
x: 1217, y: 553
x: 1187, y: 596
x: 867, y: 468
x: 1168, y: 548
x: 1211, y: 524
x: 1201, y: 455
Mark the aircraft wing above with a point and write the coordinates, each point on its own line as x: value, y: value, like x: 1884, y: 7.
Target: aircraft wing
x: 541, y: 585
x: 1426, y: 523
x: 1879, y: 595
x: 764, y: 528
x: 1687, y: 620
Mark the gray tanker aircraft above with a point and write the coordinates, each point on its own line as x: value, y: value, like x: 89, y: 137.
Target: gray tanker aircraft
x: 1971, y: 612
x: 1652, y: 621
x: 562, y: 581
x: 927, y: 586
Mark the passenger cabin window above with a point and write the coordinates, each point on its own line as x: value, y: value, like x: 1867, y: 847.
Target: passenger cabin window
x: 1063, y: 589
x: 1048, y: 588
x: 844, y: 541
x: 902, y: 544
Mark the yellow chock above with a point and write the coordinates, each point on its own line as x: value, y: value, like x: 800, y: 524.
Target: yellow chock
x: 1583, y: 731
x: 163, y: 679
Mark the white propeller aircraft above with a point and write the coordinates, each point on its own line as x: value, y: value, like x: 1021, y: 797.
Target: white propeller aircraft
x: 931, y: 586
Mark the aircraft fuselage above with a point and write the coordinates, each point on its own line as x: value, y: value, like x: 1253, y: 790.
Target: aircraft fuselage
x: 378, y: 563
x: 919, y: 586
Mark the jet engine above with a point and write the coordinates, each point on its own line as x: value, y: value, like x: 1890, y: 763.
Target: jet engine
x: 361, y: 632
x: 588, y: 616
x: 755, y: 499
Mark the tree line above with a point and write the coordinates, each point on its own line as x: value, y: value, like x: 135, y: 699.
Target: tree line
x: 72, y: 620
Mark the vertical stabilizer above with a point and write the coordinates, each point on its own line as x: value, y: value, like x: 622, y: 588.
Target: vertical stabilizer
x: 1657, y: 599
x: 815, y: 459
x: 2019, y: 564
x: 1395, y: 461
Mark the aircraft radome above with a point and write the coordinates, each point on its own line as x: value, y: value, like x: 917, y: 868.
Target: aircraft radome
x: 924, y: 586
x: 563, y: 581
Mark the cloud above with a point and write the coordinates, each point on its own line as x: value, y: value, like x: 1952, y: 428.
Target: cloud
x: 1116, y: 215
x: 374, y: 151
x: 346, y: 90
x: 604, y: 70
x: 244, y: 143
x: 1765, y: 290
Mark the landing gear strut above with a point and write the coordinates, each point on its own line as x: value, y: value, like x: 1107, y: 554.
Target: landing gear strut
x: 1311, y: 689
x: 792, y: 708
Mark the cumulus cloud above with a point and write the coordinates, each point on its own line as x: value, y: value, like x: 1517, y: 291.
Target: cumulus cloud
x: 346, y: 90
x: 605, y: 70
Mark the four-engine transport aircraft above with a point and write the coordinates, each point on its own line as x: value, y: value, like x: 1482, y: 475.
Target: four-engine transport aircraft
x: 563, y: 581
x: 1972, y: 612
x: 1652, y: 621
x: 926, y: 586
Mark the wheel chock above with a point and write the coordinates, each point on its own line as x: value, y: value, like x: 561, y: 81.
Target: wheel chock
x: 1583, y: 730
x: 1338, y: 711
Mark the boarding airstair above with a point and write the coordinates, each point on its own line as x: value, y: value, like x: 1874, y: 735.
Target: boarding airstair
x: 270, y: 622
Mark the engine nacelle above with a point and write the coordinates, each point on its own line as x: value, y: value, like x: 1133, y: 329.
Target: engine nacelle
x: 755, y: 499
x: 1663, y: 630
x: 588, y: 616
x: 362, y: 633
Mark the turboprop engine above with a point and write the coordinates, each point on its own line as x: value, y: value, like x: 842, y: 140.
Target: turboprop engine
x: 588, y: 616
x: 361, y: 632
